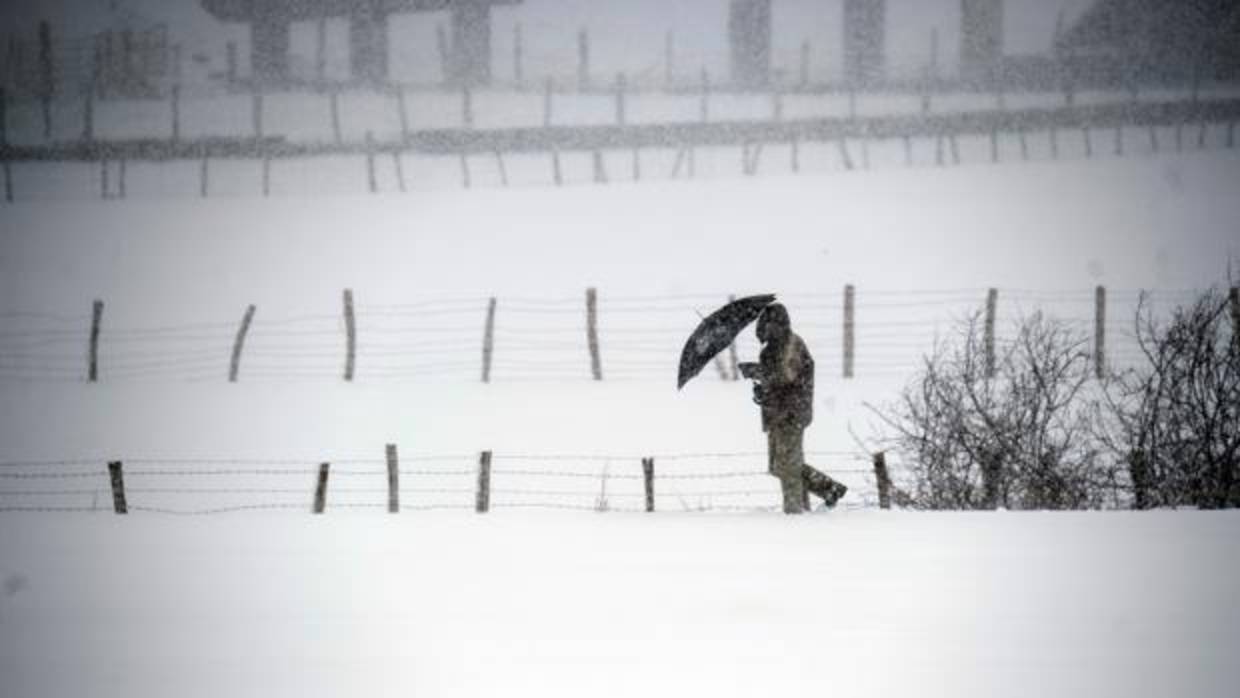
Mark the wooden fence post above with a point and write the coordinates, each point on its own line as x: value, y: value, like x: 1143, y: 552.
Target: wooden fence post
x: 234, y: 366
x: 117, y: 476
x: 557, y: 175
x: 467, y: 107
x: 393, y: 473
x: 482, y: 500
x: 648, y: 478
x: 596, y: 365
x: 908, y: 149
x: 600, y: 168
x: 1024, y: 143
x: 121, y: 171
x: 794, y: 155
x: 583, y: 60
x: 488, y: 341
x: 8, y: 181
x: 175, y: 110
x: 548, y: 91
x: 88, y: 116
x: 203, y: 175
x: 4, y: 117
x: 466, y: 177
x: 621, y: 88
x: 47, y: 77
x: 849, y: 326
x: 994, y: 145
x: 955, y: 147
x: 637, y: 164
x: 883, y: 478
x: 704, y: 106
x: 350, y: 335
x: 266, y: 173
x: 1100, y: 328
x: 842, y: 145
x: 402, y: 114
x: 230, y: 61
x: 371, y: 183
x: 320, y: 489
x: 1089, y: 142
x: 1119, y: 141
x: 988, y: 336
x: 256, y: 114
x: 105, y: 190
x: 333, y: 104
x: 803, y: 71
x: 446, y: 68
x: 96, y: 318
x: 518, y: 55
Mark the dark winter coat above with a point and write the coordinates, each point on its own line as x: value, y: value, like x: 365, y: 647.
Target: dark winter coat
x: 787, y: 388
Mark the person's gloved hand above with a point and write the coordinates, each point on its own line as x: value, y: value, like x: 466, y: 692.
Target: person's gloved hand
x: 759, y: 394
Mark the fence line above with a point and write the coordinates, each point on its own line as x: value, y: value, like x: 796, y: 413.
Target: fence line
x: 607, y: 339
x: 682, y: 138
x: 622, y: 478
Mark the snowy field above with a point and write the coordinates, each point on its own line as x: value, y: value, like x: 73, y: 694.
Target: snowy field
x: 855, y: 604
x: 856, y: 601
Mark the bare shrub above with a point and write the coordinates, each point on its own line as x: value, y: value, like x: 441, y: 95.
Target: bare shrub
x: 1175, y: 420
x: 1015, y: 433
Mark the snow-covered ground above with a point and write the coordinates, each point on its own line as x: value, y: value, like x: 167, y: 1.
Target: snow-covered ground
x: 851, y: 604
x: 569, y: 602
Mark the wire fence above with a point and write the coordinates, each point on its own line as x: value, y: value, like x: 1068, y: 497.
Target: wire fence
x: 678, y: 482
x: 883, y: 334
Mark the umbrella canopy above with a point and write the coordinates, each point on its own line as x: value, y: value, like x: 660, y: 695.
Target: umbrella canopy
x: 716, y: 332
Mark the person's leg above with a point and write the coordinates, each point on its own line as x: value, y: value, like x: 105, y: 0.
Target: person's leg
x: 786, y: 449
x: 822, y: 485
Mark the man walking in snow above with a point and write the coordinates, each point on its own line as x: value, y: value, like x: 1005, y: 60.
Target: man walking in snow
x: 785, y: 391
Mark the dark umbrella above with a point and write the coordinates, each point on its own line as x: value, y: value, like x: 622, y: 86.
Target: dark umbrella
x: 716, y: 332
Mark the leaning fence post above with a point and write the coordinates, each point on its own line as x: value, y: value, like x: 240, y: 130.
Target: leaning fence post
x: 596, y: 365
x: 350, y: 335
x: 488, y: 342
x: 371, y: 183
x: 621, y: 89
x: 175, y: 108
x: 704, y: 106
x: 883, y: 478
x: 648, y: 477
x: 256, y: 114
x: 548, y: 89
x: 333, y: 103
x: 583, y: 60
x: 988, y: 337
x: 482, y: 502
x: 320, y: 489
x: 4, y: 117
x: 88, y: 116
x: 235, y: 365
x: 117, y: 476
x: 402, y: 113
x: 96, y: 316
x: 1100, y: 325
x: 393, y: 473
x: 467, y: 107
x: 849, y: 339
